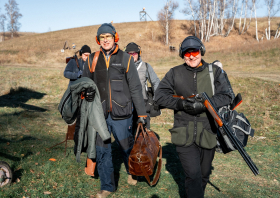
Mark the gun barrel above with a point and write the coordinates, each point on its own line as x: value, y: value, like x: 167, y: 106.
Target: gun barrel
x: 212, y: 109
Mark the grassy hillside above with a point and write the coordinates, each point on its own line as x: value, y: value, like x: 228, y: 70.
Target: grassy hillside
x: 44, y: 49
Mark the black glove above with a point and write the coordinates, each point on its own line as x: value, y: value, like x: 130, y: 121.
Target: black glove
x: 89, y: 94
x: 141, y: 120
x: 193, y: 106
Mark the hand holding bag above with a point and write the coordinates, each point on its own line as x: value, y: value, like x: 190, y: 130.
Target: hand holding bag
x: 144, y: 154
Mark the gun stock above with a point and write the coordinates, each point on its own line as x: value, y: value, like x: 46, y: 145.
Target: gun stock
x: 213, y: 113
x: 68, y: 59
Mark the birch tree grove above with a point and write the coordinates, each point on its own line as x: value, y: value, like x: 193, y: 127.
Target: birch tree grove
x: 218, y: 17
x: 165, y: 16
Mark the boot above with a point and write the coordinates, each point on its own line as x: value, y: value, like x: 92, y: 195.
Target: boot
x: 103, y: 194
x: 89, y: 169
x: 132, y: 180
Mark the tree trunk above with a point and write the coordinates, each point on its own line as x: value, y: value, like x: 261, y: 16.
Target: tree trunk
x: 166, y: 26
x: 242, y: 5
x: 234, y: 9
x: 245, y: 16
x: 256, y: 21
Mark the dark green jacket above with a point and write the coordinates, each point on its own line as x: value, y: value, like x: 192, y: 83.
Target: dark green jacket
x: 92, y: 119
x: 186, y: 81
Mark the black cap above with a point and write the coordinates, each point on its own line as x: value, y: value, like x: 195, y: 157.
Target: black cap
x: 132, y: 47
x: 85, y: 49
x: 191, y: 42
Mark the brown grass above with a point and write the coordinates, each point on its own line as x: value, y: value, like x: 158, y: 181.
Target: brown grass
x: 44, y: 49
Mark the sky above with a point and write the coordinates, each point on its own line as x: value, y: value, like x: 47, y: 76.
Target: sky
x: 50, y: 15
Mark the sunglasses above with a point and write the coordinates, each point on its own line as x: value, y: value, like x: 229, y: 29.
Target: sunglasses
x: 194, y: 53
x: 133, y: 54
x: 107, y: 37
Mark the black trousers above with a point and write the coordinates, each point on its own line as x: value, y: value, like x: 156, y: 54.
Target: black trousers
x: 196, y: 162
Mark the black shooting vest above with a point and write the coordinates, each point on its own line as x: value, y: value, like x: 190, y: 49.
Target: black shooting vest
x: 110, y: 78
x: 199, y: 129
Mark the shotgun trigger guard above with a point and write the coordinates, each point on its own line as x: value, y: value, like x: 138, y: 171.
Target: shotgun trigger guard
x: 199, y: 98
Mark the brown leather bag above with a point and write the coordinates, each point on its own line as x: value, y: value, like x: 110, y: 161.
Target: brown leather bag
x: 144, y: 154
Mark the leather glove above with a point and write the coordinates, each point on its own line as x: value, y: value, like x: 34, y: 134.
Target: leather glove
x: 89, y: 94
x: 141, y: 120
x: 79, y: 74
x: 193, y: 106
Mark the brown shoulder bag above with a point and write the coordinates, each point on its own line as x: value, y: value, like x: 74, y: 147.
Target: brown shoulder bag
x: 144, y: 154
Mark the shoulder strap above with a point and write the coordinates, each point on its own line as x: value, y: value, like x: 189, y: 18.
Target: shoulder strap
x: 147, y: 71
x: 77, y: 62
x: 94, y: 62
x: 210, y: 67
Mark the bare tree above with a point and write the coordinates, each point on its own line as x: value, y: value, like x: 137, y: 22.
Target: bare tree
x: 2, y: 24
x: 233, y: 14
x: 272, y: 9
x: 191, y: 9
x: 165, y: 17
x: 254, y: 5
x: 13, y: 16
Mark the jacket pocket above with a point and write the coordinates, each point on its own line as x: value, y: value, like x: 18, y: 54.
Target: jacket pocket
x: 121, y: 105
x: 207, y: 139
x: 180, y: 136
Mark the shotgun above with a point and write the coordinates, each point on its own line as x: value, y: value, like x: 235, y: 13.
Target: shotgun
x: 228, y: 131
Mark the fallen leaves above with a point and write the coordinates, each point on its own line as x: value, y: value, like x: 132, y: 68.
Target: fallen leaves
x: 52, y: 159
x: 47, y: 193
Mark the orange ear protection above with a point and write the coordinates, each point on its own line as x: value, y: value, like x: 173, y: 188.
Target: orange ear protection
x: 116, y: 36
x: 97, y: 40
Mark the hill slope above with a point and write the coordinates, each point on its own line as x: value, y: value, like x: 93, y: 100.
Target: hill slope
x: 44, y: 49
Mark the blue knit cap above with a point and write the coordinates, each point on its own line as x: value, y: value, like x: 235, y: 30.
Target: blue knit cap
x: 106, y: 28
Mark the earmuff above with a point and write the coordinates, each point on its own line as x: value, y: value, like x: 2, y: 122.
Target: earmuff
x: 139, y: 48
x: 202, y: 47
x: 116, y: 36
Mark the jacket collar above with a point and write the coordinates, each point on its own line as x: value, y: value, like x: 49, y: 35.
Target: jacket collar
x: 196, y: 69
x: 112, y: 51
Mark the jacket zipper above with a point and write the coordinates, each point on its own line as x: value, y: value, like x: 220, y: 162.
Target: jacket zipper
x: 110, y: 94
x: 195, y: 121
x: 118, y: 104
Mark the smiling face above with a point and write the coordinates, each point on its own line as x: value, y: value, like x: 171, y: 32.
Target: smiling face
x: 107, y: 41
x: 192, y: 60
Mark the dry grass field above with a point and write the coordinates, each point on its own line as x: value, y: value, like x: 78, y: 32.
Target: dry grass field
x: 32, y: 84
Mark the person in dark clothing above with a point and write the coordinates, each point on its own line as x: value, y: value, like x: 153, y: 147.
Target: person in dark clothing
x: 74, y: 68
x: 145, y: 72
x: 194, y: 130
x: 120, y: 91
